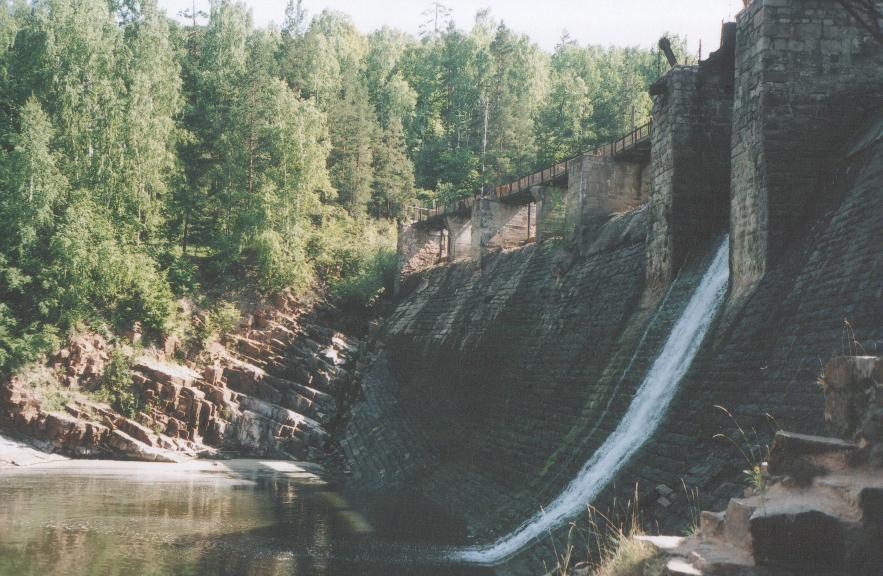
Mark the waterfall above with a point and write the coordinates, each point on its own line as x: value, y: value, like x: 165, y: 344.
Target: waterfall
x: 644, y: 414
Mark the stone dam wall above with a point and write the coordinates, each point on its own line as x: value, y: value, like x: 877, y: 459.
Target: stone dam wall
x: 494, y: 380
x: 489, y: 389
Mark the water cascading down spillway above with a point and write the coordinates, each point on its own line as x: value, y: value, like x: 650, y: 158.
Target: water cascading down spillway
x: 644, y: 414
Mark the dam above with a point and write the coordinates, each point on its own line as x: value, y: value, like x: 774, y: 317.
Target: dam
x: 545, y: 354
x: 230, y: 344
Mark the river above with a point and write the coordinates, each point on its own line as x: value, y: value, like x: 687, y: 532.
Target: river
x: 242, y: 517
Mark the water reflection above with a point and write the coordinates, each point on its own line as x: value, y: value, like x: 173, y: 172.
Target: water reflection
x: 262, y: 523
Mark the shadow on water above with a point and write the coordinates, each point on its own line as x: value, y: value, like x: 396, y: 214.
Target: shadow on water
x: 253, y: 521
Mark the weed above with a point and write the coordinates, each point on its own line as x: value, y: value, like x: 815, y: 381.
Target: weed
x: 849, y: 346
x: 693, y: 508
x: 755, y: 453
x: 42, y: 382
x: 55, y: 400
x: 221, y: 319
x: 612, y: 544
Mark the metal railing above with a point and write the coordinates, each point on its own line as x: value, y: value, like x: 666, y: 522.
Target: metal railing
x: 534, y: 179
x: 637, y: 136
x: 422, y: 214
x: 633, y: 138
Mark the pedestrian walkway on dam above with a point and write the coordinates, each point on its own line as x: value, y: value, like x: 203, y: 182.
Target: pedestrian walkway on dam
x: 634, y: 146
x: 550, y: 203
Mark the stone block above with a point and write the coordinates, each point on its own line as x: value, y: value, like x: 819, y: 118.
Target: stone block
x: 711, y: 524
x: 802, y: 457
x: 800, y: 539
x: 737, y: 524
x: 853, y: 387
x: 871, y: 504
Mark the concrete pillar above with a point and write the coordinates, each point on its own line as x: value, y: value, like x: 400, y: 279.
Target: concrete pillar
x: 418, y: 247
x: 599, y: 186
x: 497, y: 225
x: 550, y: 210
x: 459, y: 237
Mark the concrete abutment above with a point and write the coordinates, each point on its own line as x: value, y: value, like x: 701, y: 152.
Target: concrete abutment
x: 690, y: 160
x: 807, y: 76
x: 459, y: 228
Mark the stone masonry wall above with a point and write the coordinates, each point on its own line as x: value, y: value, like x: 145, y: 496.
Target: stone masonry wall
x: 551, y: 202
x: 497, y: 225
x: 807, y: 76
x: 460, y: 237
x: 690, y: 161
x: 473, y: 362
x: 599, y: 186
x: 490, y: 388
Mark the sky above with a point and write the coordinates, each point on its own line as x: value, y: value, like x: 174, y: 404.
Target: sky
x: 604, y: 22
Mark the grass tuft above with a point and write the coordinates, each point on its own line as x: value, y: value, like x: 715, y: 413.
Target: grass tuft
x: 755, y: 452
x: 611, y: 543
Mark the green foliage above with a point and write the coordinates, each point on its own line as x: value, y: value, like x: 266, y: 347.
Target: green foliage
x: 280, y: 263
x: 354, y: 258
x: 21, y: 344
x: 116, y: 386
x: 142, y: 159
x: 221, y: 318
x: 42, y: 384
x: 92, y: 275
x: 368, y: 277
x: 54, y: 400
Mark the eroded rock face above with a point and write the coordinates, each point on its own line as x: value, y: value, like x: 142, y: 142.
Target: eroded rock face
x: 272, y: 391
x: 854, y: 398
x: 82, y: 361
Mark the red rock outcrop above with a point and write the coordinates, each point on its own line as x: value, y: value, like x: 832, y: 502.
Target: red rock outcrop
x: 272, y: 391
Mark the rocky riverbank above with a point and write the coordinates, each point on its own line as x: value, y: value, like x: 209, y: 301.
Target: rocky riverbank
x: 816, y: 506
x: 274, y: 387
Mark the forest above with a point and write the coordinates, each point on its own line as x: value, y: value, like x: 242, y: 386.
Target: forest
x: 146, y: 158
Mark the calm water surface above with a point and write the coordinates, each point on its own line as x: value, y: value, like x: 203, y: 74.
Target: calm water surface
x: 256, y: 522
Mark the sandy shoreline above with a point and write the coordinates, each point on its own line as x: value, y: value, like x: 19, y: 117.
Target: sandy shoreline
x: 19, y: 457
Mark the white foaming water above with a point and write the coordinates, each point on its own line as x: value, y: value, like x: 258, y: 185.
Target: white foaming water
x: 641, y: 420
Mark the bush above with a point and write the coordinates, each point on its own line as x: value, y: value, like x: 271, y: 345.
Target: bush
x: 116, y: 387
x: 354, y: 258
x: 280, y: 263
x: 41, y: 382
x: 366, y: 282
x: 147, y: 297
x: 222, y: 318
x: 94, y: 276
x: 22, y: 346
x: 182, y: 274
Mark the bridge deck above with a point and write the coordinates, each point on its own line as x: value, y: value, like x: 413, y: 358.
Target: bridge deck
x: 633, y: 146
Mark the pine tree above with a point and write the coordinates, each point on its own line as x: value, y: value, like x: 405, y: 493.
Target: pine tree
x: 353, y: 129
